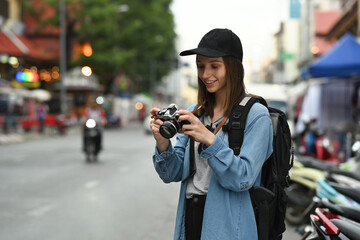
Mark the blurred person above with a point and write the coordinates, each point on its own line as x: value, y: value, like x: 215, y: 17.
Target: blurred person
x: 41, y: 114
x: 214, y: 202
x: 309, y: 137
x: 94, y: 111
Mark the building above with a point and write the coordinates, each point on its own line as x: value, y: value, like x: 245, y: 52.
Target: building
x: 30, y: 46
x: 29, y: 59
x: 311, y: 29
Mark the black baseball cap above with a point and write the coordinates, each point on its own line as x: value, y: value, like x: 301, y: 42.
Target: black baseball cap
x: 218, y: 43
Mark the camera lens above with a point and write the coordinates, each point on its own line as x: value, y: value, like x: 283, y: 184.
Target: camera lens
x: 168, y: 129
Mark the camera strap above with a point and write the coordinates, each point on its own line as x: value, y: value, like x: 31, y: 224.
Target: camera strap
x: 192, y: 158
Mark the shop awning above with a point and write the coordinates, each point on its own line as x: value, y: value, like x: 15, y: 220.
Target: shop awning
x: 342, y: 60
x: 38, y: 49
x: 7, y: 46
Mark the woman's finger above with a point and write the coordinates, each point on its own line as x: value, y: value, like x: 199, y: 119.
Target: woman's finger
x: 153, y: 111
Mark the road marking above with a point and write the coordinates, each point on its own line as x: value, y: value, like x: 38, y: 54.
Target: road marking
x: 40, y: 210
x: 91, y: 184
x: 124, y: 169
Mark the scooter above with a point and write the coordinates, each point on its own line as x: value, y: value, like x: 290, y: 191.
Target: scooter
x: 92, y: 138
x: 330, y: 226
x: 337, y: 206
x: 302, y: 189
x: 307, y: 182
x: 61, y: 124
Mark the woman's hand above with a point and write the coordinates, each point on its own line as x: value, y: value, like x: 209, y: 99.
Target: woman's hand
x: 196, y: 128
x: 161, y: 143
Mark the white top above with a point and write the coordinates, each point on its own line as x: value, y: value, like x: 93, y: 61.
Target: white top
x: 199, y: 183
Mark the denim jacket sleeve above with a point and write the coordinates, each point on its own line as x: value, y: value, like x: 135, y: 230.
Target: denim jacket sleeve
x: 239, y: 173
x: 170, y: 164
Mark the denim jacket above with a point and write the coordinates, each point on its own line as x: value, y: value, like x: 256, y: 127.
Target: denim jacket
x: 228, y: 212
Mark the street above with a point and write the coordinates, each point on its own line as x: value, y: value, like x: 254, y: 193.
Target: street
x: 48, y: 191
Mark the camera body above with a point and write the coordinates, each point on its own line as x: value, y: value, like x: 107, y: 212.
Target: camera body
x: 170, y: 117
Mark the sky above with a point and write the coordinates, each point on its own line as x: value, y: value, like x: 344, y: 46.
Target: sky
x: 254, y: 21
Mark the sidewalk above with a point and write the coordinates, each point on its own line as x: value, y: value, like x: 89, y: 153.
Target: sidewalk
x: 12, y: 138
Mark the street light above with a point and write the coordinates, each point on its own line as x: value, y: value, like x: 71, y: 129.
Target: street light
x: 86, y: 71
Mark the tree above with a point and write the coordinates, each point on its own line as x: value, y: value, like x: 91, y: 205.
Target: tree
x: 125, y: 37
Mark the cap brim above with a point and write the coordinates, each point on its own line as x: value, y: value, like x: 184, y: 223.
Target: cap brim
x: 204, y: 52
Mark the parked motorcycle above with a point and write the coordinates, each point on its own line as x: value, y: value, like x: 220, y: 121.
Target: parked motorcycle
x: 327, y: 225
x: 92, y: 140
x: 61, y: 124
x: 335, y: 215
x: 311, y: 177
x: 300, y: 193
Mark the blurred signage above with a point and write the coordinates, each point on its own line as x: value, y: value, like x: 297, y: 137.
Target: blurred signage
x: 285, y: 56
x: 74, y: 79
x: 295, y: 7
x: 27, y: 76
x: 87, y: 82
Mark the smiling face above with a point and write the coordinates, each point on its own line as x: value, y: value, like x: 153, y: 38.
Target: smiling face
x: 220, y: 81
x: 212, y: 73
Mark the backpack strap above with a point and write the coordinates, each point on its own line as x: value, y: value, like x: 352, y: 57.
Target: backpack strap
x: 237, y: 123
x: 236, y: 128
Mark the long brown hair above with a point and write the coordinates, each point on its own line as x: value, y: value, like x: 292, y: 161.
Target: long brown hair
x: 235, y: 89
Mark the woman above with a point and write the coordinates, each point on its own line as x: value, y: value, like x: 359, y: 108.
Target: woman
x: 214, y: 202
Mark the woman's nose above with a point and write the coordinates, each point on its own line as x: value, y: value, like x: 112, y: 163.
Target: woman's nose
x: 205, y: 73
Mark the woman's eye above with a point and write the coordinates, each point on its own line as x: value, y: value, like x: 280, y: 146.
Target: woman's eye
x: 200, y: 66
x: 214, y: 66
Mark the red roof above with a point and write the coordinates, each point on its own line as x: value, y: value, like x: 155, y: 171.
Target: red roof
x: 47, y: 48
x: 324, y: 20
x: 8, y: 47
x: 37, y: 48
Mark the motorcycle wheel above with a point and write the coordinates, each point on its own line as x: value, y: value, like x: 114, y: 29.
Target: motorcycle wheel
x: 91, y: 155
x: 300, y: 204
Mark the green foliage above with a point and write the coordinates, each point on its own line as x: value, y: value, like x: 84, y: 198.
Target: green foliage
x: 128, y: 40
x: 126, y: 36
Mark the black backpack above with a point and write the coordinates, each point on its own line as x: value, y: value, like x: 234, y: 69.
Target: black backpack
x: 269, y: 199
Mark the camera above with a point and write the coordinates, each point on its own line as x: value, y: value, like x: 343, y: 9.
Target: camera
x: 170, y: 118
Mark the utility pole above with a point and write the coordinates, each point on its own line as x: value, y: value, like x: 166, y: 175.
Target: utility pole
x: 62, y: 14
x: 153, y: 70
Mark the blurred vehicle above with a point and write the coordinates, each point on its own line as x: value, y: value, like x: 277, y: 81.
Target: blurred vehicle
x: 327, y: 225
x: 56, y: 121
x: 276, y: 97
x: 91, y: 140
x: 146, y: 125
x: 60, y: 123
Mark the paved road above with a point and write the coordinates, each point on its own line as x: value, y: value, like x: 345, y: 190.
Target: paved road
x: 47, y: 191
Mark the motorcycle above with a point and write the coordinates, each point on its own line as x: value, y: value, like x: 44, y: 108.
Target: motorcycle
x: 327, y: 225
x: 92, y: 138
x: 335, y: 215
x: 302, y: 189
x: 61, y: 124
x: 308, y: 178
